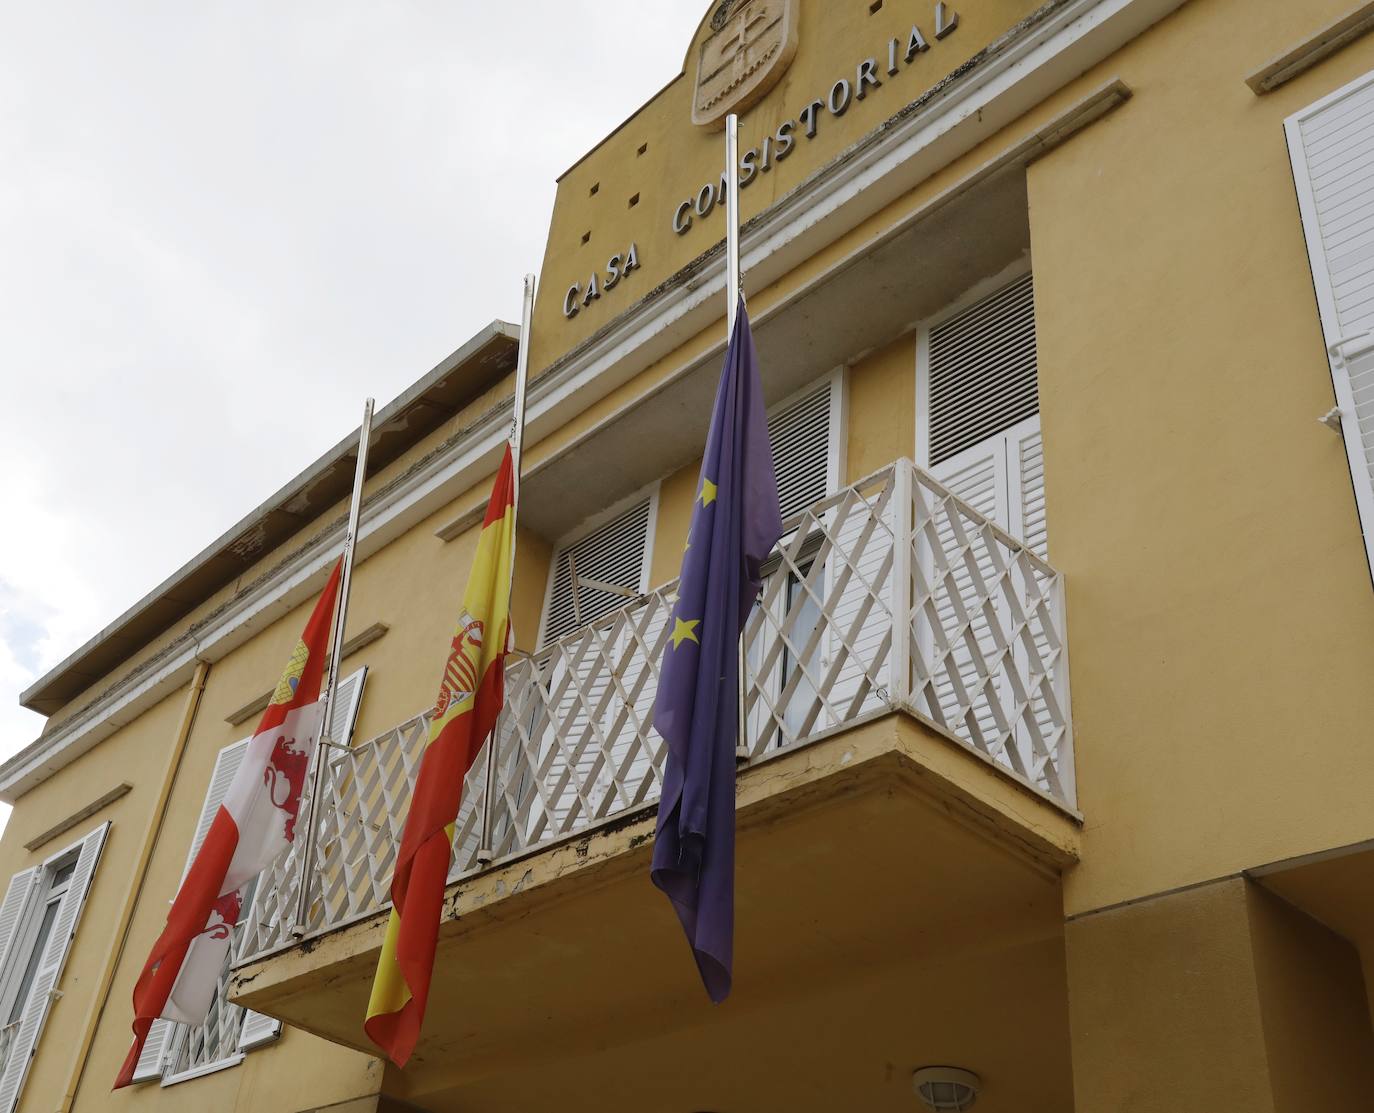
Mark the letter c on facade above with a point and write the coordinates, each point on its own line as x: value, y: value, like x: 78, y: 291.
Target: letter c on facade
x: 682, y: 219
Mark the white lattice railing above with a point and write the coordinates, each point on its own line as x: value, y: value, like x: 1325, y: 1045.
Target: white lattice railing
x: 892, y: 594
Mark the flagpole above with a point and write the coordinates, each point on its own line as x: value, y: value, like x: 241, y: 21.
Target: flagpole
x: 335, y: 660
x: 486, y: 852
x: 734, y: 289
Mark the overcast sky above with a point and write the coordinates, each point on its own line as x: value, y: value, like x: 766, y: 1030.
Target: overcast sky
x: 222, y: 225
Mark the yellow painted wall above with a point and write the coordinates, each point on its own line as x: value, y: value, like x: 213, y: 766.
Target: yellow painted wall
x: 1217, y: 997
x: 1221, y: 621
x: 1314, y: 1010
x: 881, y: 408
x: 1164, y: 1011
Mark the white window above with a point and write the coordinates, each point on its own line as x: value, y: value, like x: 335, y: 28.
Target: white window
x: 978, y: 409
x: 595, y: 573
x: 805, y: 434
x: 178, y: 1052
x: 1332, y: 147
x: 38, y: 920
x: 599, y: 571
x: 978, y: 424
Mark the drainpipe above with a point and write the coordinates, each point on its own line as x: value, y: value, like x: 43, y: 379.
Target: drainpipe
x: 139, y: 875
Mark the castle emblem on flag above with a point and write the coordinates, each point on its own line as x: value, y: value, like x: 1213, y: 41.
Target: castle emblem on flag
x: 753, y: 44
x: 291, y: 676
x: 463, y: 670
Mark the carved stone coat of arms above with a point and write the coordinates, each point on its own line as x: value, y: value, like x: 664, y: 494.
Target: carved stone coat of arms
x: 751, y: 46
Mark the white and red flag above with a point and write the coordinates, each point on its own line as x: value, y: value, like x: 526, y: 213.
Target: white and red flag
x: 255, y: 824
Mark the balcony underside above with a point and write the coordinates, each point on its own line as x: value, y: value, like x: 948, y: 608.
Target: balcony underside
x: 898, y: 904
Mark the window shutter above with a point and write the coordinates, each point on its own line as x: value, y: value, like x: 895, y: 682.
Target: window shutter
x: 12, y: 909
x: 1331, y: 145
x: 613, y: 554
x: 979, y: 477
x: 801, y: 435
x: 258, y: 1030
x: 1026, y: 467
x: 152, y: 1061
x: 983, y: 441
x: 49, y: 972
x: 982, y: 371
x: 226, y: 768
x: 345, y: 716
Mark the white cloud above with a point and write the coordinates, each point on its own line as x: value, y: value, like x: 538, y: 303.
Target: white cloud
x: 224, y: 224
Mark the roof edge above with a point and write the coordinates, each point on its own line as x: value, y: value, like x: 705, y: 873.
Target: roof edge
x: 39, y: 696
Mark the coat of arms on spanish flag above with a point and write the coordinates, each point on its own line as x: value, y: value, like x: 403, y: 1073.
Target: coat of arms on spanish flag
x: 471, y: 693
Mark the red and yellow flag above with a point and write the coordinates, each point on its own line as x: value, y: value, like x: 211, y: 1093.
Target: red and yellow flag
x: 471, y: 693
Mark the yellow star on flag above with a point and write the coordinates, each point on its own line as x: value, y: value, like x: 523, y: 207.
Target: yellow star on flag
x: 708, y: 492
x: 685, y: 631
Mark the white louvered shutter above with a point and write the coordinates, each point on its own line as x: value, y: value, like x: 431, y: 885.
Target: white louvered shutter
x: 49, y: 972
x: 227, y: 763
x: 984, y: 443
x: 153, y: 1059
x: 346, y: 704
x: 12, y: 910
x: 802, y: 435
x: 979, y: 476
x: 613, y: 554
x: 587, y: 721
x: 1332, y: 147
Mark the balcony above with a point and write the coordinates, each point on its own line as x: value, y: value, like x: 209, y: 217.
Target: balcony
x: 905, y: 652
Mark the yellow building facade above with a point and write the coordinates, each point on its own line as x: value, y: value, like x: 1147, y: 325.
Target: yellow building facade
x: 1056, y: 761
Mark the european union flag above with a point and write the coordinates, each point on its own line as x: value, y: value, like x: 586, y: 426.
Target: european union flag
x: 735, y: 524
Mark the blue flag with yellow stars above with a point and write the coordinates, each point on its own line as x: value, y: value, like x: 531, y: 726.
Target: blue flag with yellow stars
x: 735, y: 524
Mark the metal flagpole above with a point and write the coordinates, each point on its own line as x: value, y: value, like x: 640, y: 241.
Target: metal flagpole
x: 517, y: 442
x: 734, y: 289
x: 335, y: 660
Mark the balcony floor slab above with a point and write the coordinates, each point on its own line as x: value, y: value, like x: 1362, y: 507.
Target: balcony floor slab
x: 885, y: 846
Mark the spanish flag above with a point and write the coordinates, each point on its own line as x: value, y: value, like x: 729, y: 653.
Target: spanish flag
x: 470, y: 696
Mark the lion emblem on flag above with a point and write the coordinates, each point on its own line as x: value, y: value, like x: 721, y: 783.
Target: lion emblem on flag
x: 285, y: 779
x: 224, y: 915
x: 462, y: 671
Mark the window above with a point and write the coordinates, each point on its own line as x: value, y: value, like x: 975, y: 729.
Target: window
x: 38, y: 921
x: 1332, y: 145
x: 598, y: 573
x: 978, y: 420
x: 804, y: 433
x: 179, y: 1052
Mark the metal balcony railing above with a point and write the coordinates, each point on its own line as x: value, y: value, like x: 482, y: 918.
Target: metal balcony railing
x: 892, y: 594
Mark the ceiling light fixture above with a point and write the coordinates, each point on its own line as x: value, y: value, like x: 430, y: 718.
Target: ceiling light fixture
x: 946, y: 1089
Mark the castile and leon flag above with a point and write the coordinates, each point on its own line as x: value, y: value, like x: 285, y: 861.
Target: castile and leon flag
x: 471, y: 693
x: 255, y: 824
